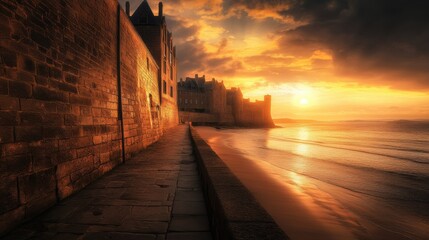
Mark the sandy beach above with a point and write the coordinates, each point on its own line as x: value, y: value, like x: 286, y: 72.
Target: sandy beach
x: 295, y: 212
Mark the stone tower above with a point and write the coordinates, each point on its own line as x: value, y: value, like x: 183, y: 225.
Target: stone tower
x: 153, y: 30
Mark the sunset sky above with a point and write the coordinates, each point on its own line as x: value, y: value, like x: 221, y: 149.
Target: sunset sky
x: 323, y: 60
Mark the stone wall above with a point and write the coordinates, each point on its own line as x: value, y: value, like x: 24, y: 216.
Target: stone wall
x: 198, y: 117
x: 59, y: 114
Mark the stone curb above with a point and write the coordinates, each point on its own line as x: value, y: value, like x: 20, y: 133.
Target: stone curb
x: 234, y: 212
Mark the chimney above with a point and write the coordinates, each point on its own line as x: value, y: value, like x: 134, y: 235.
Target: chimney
x: 160, y: 9
x: 127, y: 8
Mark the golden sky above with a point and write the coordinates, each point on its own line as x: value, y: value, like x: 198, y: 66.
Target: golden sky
x: 323, y: 60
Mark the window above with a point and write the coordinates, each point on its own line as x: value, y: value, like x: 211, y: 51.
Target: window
x: 147, y: 63
x: 151, y: 101
x: 164, y: 87
x: 171, y: 91
x: 186, y: 101
x: 165, y: 67
x: 171, y: 73
x: 191, y: 101
x: 196, y: 101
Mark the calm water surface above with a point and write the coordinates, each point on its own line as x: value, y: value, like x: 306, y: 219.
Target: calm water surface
x: 376, y: 172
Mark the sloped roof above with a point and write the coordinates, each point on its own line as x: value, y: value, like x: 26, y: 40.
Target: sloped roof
x: 144, y: 15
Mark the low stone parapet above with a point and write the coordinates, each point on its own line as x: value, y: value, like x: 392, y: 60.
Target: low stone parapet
x: 234, y: 212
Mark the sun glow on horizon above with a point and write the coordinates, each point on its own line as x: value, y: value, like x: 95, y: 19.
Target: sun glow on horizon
x: 303, y: 101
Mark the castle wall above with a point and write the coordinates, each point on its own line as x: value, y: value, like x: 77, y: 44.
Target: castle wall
x: 59, y: 126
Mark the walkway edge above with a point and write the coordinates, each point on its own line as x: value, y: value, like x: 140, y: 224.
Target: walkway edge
x: 234, y: 213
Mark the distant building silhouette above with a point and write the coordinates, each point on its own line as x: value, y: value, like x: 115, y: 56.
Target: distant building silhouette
x: 210, y: 102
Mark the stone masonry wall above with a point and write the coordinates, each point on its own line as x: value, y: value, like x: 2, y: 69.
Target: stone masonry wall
x: 59, y: 126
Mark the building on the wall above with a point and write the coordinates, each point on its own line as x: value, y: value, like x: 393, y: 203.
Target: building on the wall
x: 210, y: 102
x: 192, y: 95
x: 154, y: 32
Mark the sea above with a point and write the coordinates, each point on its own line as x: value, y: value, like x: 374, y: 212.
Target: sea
x: 376, y: 172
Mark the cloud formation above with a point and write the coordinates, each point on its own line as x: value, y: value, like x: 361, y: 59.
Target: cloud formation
x: 385, y: 38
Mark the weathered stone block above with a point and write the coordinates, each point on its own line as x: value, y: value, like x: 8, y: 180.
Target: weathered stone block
x: 70, y: 69
x: 56, y: 132
x: 40, y: 39
x: 28, y: 133
x: 35, y: 185
x: 71, y: 79
x: 11, y: 149
x: 9, y: 57
x: 18, y: 164
x: 4, y: 87
x: 37, y: 105
x: 25, y: 77
x: 53, y: 119
x: 20, y: 89
x: 67, y: 87
x: 9, y: 103
x: 8, y: 194
x: 47, y: 94
x: 6, y: 134
x: 31, y: 118
x: 43, y: 70
x: 67, y: 155
x: 71, y: 120
x: 64, y: 187
x: 42, y: 161
x: 26, y: 64
x: 55, y: 73
x: 8, y: 118
x: 76, y: 99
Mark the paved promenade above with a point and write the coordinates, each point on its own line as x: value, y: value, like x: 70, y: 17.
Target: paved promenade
x: 156, y: 195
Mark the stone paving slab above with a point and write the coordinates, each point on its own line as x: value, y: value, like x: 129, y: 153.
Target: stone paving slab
x: 156, y: 195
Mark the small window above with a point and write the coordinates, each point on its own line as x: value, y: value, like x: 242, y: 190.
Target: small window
x: 164, y: 87
x: 165, y: 67
x: 147, y: 63
x: 186, y: 101
x: 151, y: 104
x: 196, y: 101
x: 171, y: 91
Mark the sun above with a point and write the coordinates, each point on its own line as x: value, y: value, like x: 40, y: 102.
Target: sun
x: 303, y: 101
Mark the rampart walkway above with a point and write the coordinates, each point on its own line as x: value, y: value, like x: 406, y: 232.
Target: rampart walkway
x: 156, y: 195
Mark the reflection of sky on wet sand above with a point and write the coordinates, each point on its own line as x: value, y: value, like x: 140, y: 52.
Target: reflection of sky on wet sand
x: 354, y: 187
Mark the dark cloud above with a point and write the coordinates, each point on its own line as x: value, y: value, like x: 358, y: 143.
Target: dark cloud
x: 386, y: 39
x: 193, y: 56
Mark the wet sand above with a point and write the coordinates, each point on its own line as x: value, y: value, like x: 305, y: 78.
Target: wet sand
x: 291, y: 203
